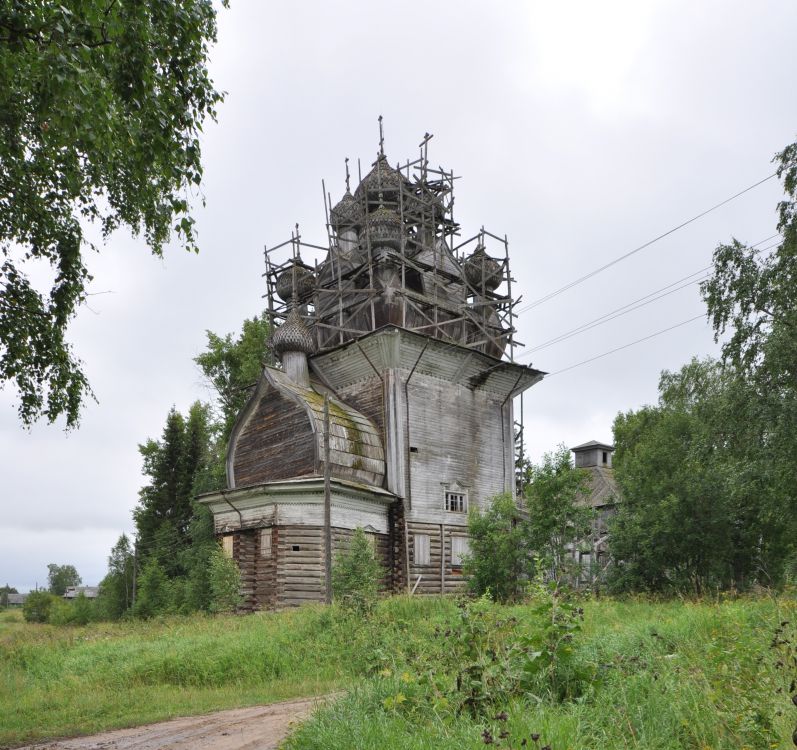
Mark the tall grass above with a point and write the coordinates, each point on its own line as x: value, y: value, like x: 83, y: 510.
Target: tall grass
x: 667, y: 675
x: 59, y: 681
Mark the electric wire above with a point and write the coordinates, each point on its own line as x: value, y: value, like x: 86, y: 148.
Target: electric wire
x: 609, y: 317
x: 637, y: 303
x: 595, y: 272
x: 625, y: 346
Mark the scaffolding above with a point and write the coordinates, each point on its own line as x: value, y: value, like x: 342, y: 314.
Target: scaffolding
x: 394, y: 257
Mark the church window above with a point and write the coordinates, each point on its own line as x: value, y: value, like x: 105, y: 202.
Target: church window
x: 457, y: 502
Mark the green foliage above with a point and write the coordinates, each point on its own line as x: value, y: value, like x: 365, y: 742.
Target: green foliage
x: 172, y: 529
x: 671, y: 675
x: 4, y: 592
x: 231, y: 367
x: 116, y: 589
x: 356, y: 575
x: 486, y: 655
x: 61, y: 577
x: 679, y: 674
x: 507, y: 546
x: 555, y: 517
x: 500, y: 557
x: 480, y: 660
x: 79, y: 611
x: 752, y: 304
x: 37, y: 606
x: 550, y: 667
x: 154, y: 594
x: 700, y: 508
x: 166, y: 508
x: 224, y: 581
x: 198, y: 557
x: 102, y: 104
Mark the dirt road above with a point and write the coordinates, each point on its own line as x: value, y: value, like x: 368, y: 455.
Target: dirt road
x: 261, y: 727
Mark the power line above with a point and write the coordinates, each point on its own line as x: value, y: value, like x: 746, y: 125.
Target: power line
x: 613, y: 315
x: 602, y: 268
x: 636, y: 304
x: 625, y: 346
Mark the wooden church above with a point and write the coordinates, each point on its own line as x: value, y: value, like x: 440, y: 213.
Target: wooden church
x: 391, y: 408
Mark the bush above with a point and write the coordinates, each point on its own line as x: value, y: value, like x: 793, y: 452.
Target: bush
x: 356, y: 575
x: 153, y: 591
x: 500, y: 561
x: 80, y: 611
x: 37, y: 606
x: 225, y: 582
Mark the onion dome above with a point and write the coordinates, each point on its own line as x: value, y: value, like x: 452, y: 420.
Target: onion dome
x: 381, y: 179
x: 347, y: 214
x: 482, y: 272
x: 426, y: 204
x: 384, y: 228
x: 305, y: 280
x: 292, y: 336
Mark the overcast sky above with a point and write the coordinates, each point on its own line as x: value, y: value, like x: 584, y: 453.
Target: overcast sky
x: 580, y: 129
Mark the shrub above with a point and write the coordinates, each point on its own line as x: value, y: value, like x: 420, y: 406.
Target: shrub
x: 356, y: 574
x: 225, y: 582
x: 80, y: 611
x: 153, y: 591
x: 37, y: 606
x: 499, y: 561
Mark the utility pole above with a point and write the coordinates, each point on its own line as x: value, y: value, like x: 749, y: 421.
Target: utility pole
x: 135, y: 569
x: 327, y: 507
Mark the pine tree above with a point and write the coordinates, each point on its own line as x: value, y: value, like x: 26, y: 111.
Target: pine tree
x: 116, y: 589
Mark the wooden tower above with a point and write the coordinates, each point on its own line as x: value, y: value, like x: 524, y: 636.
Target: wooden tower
x: 393, y: 406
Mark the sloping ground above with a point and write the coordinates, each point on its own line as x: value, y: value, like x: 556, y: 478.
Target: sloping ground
x: 262, y: 727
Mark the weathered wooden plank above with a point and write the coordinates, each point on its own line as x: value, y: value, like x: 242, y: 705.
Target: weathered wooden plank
x: 277, y: 442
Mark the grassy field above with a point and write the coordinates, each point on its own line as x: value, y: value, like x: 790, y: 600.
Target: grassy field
x: 646, y: 675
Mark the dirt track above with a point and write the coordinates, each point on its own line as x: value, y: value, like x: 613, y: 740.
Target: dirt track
x: 261, y: 727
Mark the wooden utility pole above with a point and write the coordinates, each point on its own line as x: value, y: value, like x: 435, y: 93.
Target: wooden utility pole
x: 135, y: 569
x: 327, y: 507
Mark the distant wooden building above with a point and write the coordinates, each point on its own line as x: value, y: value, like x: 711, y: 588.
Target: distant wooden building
x: 90, y: 592
x: 592, y: 553
x: 396, y: 386
x: 16, y: 600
